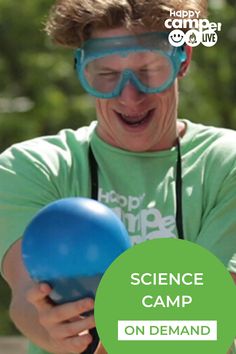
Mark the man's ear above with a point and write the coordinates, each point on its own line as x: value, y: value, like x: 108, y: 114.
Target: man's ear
x: 185, y: 65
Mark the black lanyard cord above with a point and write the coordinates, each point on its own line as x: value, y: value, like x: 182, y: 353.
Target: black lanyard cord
x: 178, y: 193
x: 94, y: 194
x: 93, y: 174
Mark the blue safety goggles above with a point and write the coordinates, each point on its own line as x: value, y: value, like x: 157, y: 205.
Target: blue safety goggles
x: 148, y: 61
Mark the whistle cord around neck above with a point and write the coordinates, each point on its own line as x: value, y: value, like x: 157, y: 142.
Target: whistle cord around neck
x: 178, y: 194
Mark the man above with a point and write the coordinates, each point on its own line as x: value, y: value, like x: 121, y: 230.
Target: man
x: 155, y: 171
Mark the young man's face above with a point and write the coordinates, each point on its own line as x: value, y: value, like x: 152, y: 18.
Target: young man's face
x: 134, y: 120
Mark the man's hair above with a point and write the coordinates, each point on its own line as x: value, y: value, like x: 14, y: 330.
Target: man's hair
x: 71, y: 22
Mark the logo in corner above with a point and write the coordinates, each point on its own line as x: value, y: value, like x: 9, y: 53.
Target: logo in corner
x: 188, y: 28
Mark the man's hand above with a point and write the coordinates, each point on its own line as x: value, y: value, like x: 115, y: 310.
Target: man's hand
x: 58, y: 329
x: 100, y: 349
x: 233, y: 276
x: 67, y: 329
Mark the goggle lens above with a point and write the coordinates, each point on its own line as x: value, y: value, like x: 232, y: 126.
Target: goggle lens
x: 151, y: 69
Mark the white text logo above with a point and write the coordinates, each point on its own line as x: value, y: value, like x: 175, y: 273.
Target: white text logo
x: 198, y: 30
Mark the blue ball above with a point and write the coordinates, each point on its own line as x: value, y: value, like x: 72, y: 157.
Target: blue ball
x: 70, y: 243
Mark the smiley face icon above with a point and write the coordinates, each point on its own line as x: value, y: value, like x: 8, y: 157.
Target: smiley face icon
x: 176, y: 38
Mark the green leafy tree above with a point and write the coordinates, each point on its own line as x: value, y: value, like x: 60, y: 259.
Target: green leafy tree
x: 208, y: 92
x: 39, y: 91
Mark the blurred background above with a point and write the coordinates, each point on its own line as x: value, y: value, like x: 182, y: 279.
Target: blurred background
x: 40, y: 94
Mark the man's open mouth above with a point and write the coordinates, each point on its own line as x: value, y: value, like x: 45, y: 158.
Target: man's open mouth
x: 135, y: 120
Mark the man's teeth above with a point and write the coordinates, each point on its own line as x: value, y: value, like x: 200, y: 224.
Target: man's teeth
x: 134, y: 119
x: 138, y: 116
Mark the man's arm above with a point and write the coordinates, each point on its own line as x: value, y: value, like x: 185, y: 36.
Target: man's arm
x: 53, y: 328
x: 233, y: 276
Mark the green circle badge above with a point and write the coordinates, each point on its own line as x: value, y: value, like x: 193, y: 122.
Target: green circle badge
x: 166, y: 296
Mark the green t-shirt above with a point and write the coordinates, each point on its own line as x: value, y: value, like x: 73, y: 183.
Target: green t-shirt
x: 139, y: 187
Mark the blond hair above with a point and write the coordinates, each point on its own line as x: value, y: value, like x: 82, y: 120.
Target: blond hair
x: 71, y: 22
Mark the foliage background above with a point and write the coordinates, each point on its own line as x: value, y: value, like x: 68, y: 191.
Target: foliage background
x: 39, y: 93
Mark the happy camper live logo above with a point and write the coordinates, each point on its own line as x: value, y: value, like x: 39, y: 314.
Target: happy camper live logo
x: 188, y: 28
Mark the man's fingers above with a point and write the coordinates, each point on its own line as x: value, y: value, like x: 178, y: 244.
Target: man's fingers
x: 38, y: 296
x: 67, y: 311
x: 78, y: 343
x: 72, y: 329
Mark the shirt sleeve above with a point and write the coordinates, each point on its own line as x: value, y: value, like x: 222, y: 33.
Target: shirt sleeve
x: 218, y: 232
x: 26, y: 185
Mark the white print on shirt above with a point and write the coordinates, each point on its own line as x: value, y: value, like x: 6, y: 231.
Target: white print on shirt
x: 142, y: 223
x: 129, y: 202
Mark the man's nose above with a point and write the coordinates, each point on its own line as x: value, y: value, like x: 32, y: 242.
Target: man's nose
x: 131, y: 94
